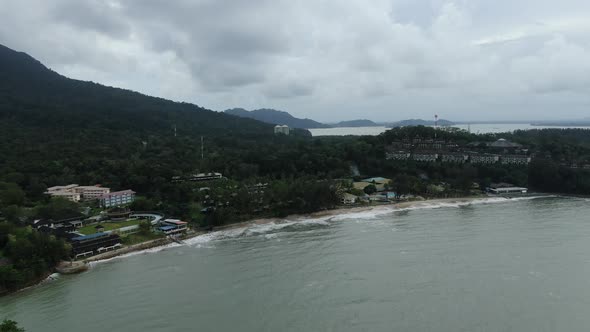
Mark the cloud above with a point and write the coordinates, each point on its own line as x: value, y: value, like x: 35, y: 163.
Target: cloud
x: 383, y: 59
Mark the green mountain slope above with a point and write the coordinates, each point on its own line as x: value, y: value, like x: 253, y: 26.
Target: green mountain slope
x: 276, y: 117
x: 56, y: 130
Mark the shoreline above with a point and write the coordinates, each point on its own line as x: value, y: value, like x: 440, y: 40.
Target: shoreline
x: 340, y: 210
x: 162, y: 243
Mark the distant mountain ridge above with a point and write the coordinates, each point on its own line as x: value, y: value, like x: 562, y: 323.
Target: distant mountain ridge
x: 276, y: 117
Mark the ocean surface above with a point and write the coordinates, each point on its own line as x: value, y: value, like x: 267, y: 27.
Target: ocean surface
x: 481, y: 128
x: 493, y: 265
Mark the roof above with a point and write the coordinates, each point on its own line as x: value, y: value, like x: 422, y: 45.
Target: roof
x: 377, y: 180
x: 175, y: 221
x: 503, y: 143
x: 98, y: 186
x: 510, y: 189
x: 361, y: 185
x: 206, y: 174
x: 89, y: 237
x: 501, y: 185
x: 118, y: 193
x: 515, y: 156
x: 63, y: 193
x: 69, y: 186
x: 166, y: 228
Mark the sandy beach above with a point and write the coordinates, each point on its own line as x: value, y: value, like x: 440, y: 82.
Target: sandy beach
x: 161, y: 243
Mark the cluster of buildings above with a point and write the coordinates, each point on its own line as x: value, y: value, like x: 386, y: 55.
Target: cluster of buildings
x: 501, y: 151
x: 76, y: 193
x: 458, y: 157
x: 101, y: 241
x: 380, y: 195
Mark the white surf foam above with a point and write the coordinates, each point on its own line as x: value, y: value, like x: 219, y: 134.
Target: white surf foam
x: 272, y: 230
x: 135, y: 253
x: 374, y: 213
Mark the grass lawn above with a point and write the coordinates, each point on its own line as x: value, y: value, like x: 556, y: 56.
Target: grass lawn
x: 108, y: 226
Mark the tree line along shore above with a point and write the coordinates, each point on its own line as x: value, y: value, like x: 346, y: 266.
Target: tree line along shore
x: 326, y: 171
x: 56, y: 131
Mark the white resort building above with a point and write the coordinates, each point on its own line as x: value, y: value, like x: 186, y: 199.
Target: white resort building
x: 76, y: 193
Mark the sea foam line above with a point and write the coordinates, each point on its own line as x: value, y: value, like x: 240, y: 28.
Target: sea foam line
x: 300, y: 223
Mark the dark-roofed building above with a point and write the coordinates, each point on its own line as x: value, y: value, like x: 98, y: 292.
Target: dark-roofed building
x: 93, y: 244
x: 173, y: 226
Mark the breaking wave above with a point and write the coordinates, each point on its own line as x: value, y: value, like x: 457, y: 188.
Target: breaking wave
x: 273, y: 229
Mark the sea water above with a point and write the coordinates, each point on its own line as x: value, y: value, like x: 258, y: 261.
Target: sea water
x: 490, y: 265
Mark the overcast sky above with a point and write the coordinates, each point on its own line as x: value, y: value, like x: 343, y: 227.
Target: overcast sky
x: 323, y: 59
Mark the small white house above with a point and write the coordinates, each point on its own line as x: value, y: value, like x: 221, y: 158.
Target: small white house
x: 348, y: 199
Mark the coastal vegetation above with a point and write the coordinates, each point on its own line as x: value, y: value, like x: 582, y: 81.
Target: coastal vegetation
x: 55, y: 131
x: 10, y: 326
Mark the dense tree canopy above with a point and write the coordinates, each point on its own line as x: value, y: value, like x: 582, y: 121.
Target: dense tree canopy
x: 56, y: 131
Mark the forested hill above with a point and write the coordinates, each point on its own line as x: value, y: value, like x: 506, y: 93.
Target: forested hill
x: 56, y: 130
x: 276, y: 117
x: 33, y: 95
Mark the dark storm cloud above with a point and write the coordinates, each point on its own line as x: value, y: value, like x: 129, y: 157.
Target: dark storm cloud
x: 314, y: 58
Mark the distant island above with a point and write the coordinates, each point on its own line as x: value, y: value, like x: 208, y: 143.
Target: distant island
x: 563, y: 123
x: 419, y: 122
x: 357, y: 123
x: 276, y: 117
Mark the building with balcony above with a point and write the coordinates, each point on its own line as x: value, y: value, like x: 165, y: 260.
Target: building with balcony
x: 117, y: 198
x: 93, y: 244
x: 515, y: 159
x: 478, y: 158
x: 397, y: 155
x: 205, y: 176
x: 459, y: 158
x: 76, y: 193
x: 91, y: 192
x: 425, y: 156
